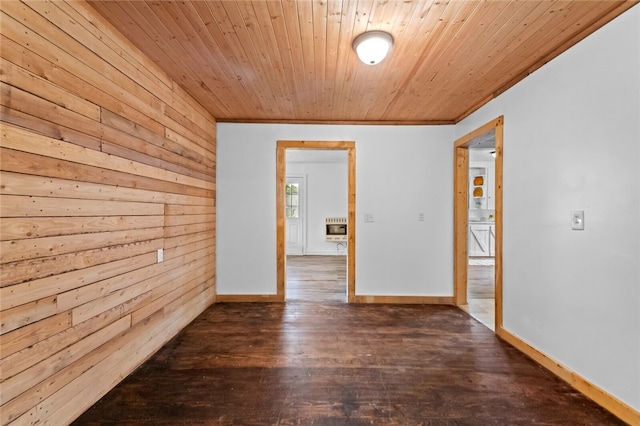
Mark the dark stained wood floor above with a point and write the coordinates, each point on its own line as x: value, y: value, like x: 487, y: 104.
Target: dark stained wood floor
x: 329, y: 363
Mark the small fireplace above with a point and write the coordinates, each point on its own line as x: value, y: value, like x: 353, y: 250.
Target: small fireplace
x: 336, y: 229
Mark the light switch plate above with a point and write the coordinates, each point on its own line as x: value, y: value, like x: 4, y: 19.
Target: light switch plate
x: 577, y: 220
x: 160, y: 255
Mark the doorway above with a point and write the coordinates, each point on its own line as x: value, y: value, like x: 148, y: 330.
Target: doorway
x: 481, y: 230
x: 281, y: 212
x: 464, y: 202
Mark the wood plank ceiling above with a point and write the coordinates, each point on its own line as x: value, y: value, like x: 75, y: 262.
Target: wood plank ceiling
x: 292, y: 61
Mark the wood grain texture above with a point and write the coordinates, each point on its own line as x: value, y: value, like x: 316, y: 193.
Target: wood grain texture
x: 336, y: 363
x: 104, y: 160
x: 460, y: 220
x: 499, y: 212
x: 288, y: 61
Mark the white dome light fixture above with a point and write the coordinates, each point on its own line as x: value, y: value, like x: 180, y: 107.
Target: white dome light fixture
x: 372, y: 47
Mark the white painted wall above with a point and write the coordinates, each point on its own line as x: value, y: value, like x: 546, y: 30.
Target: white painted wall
x: 572, y: 142
x: 326, y: 196
x: 245, y: 211
x: 400, y: 171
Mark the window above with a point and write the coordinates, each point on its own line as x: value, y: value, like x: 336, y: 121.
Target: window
x: 292, y: 209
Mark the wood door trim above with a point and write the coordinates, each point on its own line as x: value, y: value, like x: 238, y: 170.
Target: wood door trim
x: 282, y: 146
x: 461, y: 214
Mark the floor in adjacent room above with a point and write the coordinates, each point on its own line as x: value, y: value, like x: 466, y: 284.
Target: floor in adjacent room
x: 317, y: 360
x: 481, y: 291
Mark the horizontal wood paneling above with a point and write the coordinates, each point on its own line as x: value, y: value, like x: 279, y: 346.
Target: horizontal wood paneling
x: 50, y: 246
x: 34, y: 333
x: 26, y: 184
x: 24, y: 162
x: 53, y: 265
x: 104, y: 160
x: 25, y: 141
x: 19, y: 228
x: 21, y: 206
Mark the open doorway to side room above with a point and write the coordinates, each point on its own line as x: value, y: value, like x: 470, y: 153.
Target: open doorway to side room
x: 478, y: 223
x: 481, y: 230
x: 316, y: 225
x: 315, y: 187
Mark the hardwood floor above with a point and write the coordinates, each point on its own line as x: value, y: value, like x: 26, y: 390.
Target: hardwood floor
x: 481, y: 282
x: 481, y: 294
x: 317, y: 279
x: 326, y: 362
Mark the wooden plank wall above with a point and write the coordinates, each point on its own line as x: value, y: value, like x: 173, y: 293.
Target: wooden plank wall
x: 104, y: 160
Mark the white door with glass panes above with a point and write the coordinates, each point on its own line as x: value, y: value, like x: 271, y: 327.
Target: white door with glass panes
x: 294, y: 204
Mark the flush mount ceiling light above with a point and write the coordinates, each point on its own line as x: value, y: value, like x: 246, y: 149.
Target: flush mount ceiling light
x: 372, y: 46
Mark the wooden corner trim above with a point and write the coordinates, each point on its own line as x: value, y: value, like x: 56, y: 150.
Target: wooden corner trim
x: 248, y: 298
x: 406, y: 300
x: 601, y: 397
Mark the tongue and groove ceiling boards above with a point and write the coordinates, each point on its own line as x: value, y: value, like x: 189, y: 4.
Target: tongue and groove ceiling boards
x: 292, y: 61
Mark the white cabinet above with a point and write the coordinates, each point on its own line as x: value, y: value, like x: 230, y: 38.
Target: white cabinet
x: 481, y: 240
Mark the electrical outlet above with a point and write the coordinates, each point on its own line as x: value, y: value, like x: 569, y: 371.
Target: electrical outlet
x: 577, y: 220
x: 160, y: 255
x: 421, y: 217
x: 368, y: 217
